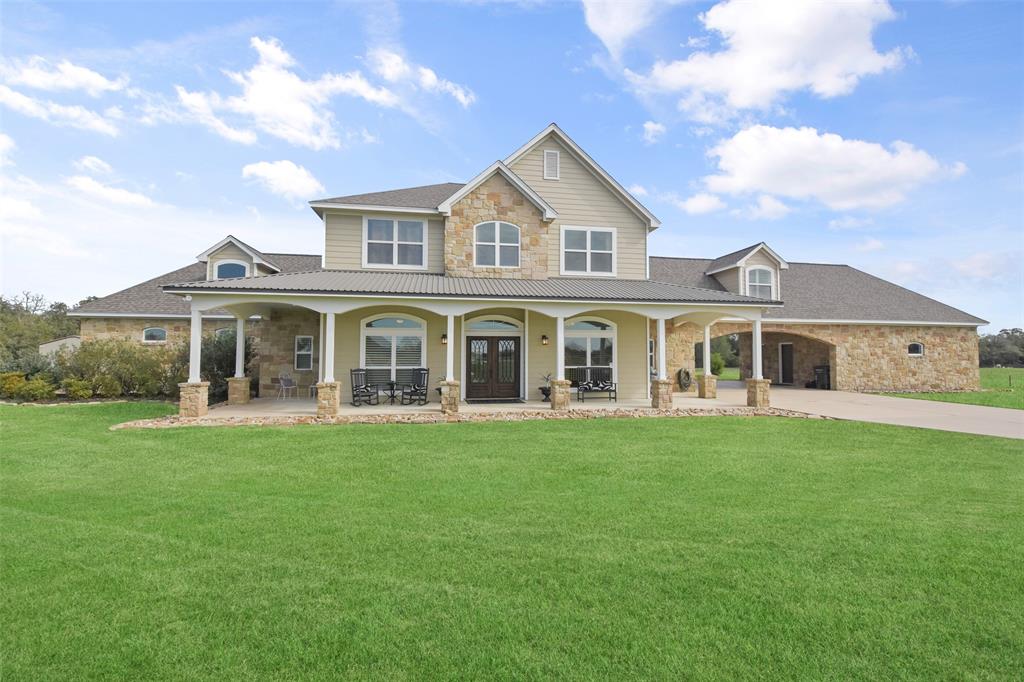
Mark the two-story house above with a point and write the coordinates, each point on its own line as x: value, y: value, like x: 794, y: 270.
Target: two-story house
x: 538, y: 266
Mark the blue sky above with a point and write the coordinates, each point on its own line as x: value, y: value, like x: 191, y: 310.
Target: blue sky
x: 886, y: 136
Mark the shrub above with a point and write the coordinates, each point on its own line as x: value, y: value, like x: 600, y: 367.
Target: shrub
x: 36, y: 389
x: 717, y: 364
x: 11, y: 383
x: 77, y: 389
x: 115, y: 367
x: 106, y: 386
x: 217, y: 363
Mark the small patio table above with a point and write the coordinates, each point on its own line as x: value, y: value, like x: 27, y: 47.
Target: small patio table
x: 391, y: 390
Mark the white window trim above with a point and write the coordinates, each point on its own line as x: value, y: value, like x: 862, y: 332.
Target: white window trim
x: 558, y: 165
x: 588, y: 229
x: 296, y: 353
x: 395, y: 242
x: 154, y: 343
x: 497, y: 244
x: 229, y: 261
x: 592, y: 333
x: 217, y: 333
x: 772, y: 284
x: 915, y: 355
x: 518, y: 331
x: 421, y: 332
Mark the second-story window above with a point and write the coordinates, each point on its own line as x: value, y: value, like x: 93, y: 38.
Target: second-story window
x: 497, y: 244
x: 759, y: 282
x: 395, y: 243
x: 227, y: 269
x: 588, y: 251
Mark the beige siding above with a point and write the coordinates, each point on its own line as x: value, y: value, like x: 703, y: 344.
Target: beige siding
x: 582, y: 199
x: 343, y: 242
x: 730, y: 279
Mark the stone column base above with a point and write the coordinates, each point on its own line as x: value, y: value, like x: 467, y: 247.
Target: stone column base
x: 328, y: 398
x: 757, y: 392
x: 450, y: 397
x: 193, y: 399
x: 238, y: 390
x: 560, y: 394
x: 707, y: 386
x: 661, y: 394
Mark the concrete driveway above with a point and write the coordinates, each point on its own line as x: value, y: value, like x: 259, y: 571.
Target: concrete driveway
x: 926, y: 414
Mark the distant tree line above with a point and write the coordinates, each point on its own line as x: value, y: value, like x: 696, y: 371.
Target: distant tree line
x: 26, y: 321
x: 1005, y: 349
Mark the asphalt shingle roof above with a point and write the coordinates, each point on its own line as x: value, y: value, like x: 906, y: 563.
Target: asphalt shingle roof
x: 426, y: 196
x: 149, y: 298
x: 352, y: 282
x: 818, y: 291
x: 731, y: 259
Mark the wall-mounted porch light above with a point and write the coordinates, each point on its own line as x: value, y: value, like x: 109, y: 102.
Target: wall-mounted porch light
x: 444, y: 339
x: 543, y: 339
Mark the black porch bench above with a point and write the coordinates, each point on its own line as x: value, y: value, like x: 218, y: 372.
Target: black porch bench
x: 590, y: 380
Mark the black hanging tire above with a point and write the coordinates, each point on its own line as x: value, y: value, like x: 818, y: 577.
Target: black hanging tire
x: 685, y: 379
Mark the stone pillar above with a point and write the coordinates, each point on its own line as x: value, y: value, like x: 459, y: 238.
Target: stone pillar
x: 450, y: 395
x: 757, y: 392
x: 238, y: 390
x: 560, y: 394
x: 707, y: 386
x: 661, y: 394
x: 328, y: 398
x: 194, y: 399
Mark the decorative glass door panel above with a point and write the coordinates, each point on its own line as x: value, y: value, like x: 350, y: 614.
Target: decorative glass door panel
x: 492, y: 369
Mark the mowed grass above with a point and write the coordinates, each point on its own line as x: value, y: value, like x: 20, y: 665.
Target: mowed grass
x: 1000, y: 387
x: 701, y: 548
x: 728, y: 373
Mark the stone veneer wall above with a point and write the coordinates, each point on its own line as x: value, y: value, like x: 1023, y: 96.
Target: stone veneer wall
x: 862, y: 357
x: 496, y: 199
x: 277, y: 351
x: 93, y: 328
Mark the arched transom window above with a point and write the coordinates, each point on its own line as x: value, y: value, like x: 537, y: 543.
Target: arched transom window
x: 391, y: 347
x: 589, y: 342
x: 759, y: 282
x: 154, y: 334
x: 915, y: 349
x: 497, y: 245
x: 226, y: 269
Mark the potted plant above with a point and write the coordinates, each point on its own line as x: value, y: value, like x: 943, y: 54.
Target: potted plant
x: 545, y: 390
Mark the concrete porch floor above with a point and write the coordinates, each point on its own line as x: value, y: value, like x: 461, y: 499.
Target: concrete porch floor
x: 296, y: 407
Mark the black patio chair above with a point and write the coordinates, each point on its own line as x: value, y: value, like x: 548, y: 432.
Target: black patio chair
x: 416, y: 392
x: 362, y: 391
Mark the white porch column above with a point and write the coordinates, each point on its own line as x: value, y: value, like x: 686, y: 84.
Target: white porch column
x: 239, y: 347
x: 707, y: 349
x: 560, y: 348
x: 195, y: 345
x: 755, y: 371
x: 328, y: 349
x: 320, y: 368
x: 662, y: 370
x: 449, y: 351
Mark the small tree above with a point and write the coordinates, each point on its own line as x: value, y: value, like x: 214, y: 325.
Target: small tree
x: 717, y: 364
x: 216, y: 363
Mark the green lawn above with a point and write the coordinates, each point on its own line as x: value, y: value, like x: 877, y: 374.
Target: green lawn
x: 728, y: 373
x: 1001, y: 387
x: 702, y: 548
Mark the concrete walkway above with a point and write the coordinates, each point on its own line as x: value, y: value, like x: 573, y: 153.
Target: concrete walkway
x: 867, y: 407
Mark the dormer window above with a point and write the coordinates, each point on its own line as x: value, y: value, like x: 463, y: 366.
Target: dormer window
x: 497, y: 245
x: 228, y: 269
x: 759, y: 283
x: 552, y: 164
x: 395, y: 243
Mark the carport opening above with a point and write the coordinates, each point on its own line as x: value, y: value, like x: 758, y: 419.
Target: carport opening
x: 725, y: 357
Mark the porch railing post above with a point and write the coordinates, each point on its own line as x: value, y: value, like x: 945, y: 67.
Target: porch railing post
x: 328, y: 349
x: 195, y: 345
x: 239, y: 347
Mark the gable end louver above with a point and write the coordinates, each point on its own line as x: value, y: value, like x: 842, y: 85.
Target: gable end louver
x: 551, y: 164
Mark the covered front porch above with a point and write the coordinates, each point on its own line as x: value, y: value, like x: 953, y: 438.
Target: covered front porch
x: 476, y: 356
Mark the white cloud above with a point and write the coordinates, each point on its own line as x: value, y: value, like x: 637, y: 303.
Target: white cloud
x: 698, y: 204
x: 766, y: 208
x: 6, y: 147
x: 277, y: 101
x: 848, y: 222
x: 637, y: 190
x: 106, y: 193
x: 285, y: 179
x: 801, y: 163
x: 394, y: 68
x: 653, y: 131
x: 868, y: 245
x: 986, y: 265
x: 72, y: 116
x: 772, y: 49
x: 615, y: 22
x: 93, y: 164
x: 40, y: 74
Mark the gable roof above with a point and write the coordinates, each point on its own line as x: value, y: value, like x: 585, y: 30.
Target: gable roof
x: 148, y: 299
x: 423, y: 199
x: 547, y: 211
x: 256, y: 256
x: 406, y: 284
x: 820, y: 292
x: 738, y: 258
x: 589, y: 164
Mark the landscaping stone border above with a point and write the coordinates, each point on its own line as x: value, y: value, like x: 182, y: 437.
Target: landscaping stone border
x: 460, y: 417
